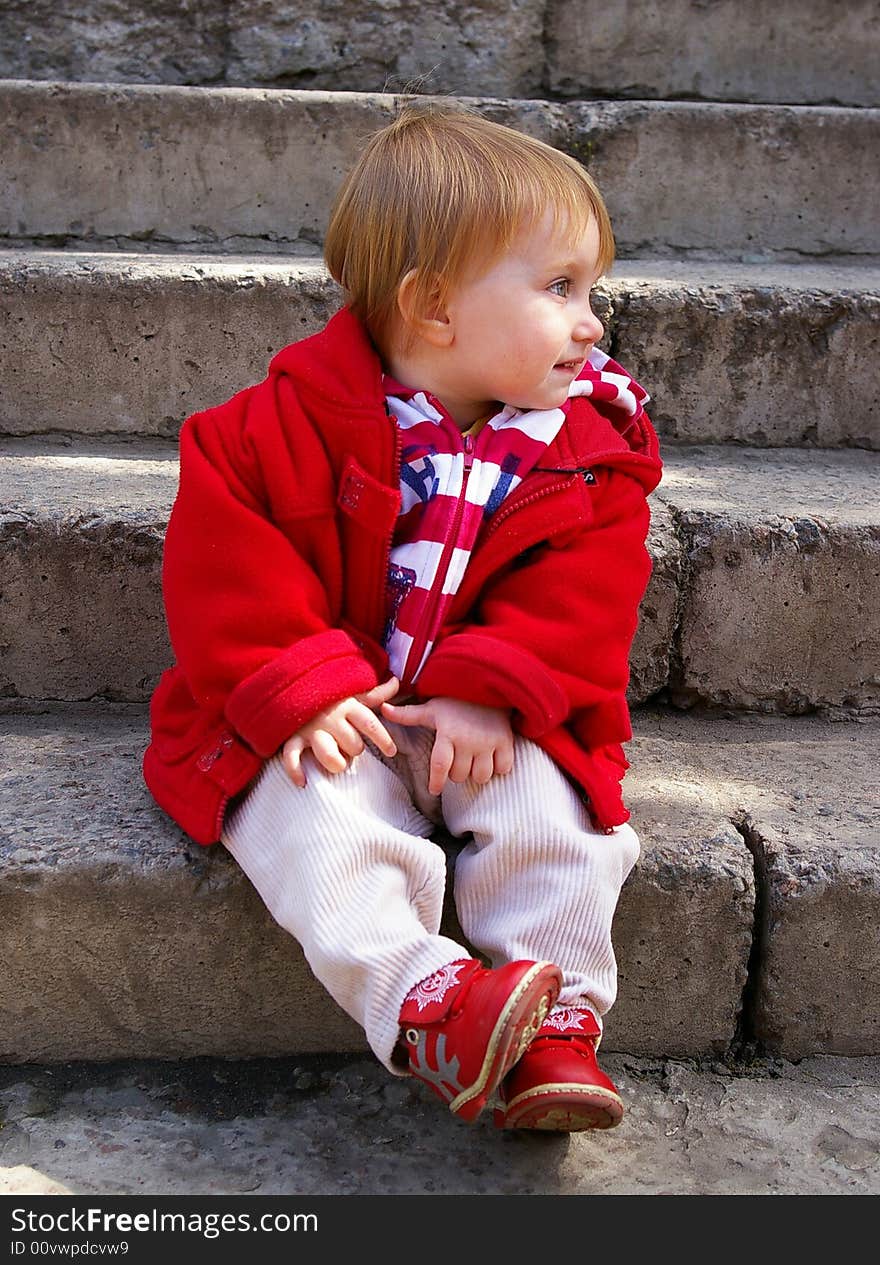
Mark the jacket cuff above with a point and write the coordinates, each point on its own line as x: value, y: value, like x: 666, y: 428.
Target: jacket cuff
x: 480, y: 669
x: 271, y: 704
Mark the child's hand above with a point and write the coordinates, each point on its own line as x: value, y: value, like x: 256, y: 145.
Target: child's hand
x: 339, y: 731
x: 470, y: 740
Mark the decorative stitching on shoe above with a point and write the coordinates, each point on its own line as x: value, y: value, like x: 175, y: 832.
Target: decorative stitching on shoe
x: 566, y: 1018
x: 435, y: 987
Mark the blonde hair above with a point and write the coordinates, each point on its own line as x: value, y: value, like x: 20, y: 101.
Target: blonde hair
x: 443, y: 192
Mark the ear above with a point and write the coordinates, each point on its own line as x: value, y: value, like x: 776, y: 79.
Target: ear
x: 423, y: 311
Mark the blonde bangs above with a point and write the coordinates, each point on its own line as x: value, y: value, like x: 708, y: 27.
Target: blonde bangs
x: 443, y: 193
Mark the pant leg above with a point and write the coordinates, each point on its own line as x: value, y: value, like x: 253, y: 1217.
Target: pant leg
x: 537, y: 881
x: 346, y: 866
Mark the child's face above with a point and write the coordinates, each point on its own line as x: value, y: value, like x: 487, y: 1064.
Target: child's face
x: 523, y: 330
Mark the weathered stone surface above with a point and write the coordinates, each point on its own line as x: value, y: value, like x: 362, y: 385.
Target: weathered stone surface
x: 121, y: 938
x: 760, y: 838
x: 652, y: 649
x: 730, y: 353
x: 806, y: 796
x: 449, y: 47
x: 735, y: 50
x: 153, y: 41
x: 740, y: 181
x: 811, y: 53
x: 222, y: 169
x: 823, y: 902
x: 132, y: 344
x: 767, y: 355
x: 683, y: 928
x: 81, y: 537
x: 764, y: 593
x: 308, y: 1127
x: 339, y: 44
x: 228, y: 169
x: 780, y: 605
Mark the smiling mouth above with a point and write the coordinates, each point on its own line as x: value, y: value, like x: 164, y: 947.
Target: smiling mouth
x: 569, y: 366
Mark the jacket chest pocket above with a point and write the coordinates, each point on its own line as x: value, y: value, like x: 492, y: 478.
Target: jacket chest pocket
x: 583, y: 483
x: 579, y: 508
x: 365, y: 501
x: 573, y: 510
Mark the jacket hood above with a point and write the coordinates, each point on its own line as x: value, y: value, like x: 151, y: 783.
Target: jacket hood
x: 339, y: 364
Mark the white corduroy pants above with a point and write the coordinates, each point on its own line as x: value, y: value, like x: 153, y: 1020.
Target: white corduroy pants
x: 346, y: 865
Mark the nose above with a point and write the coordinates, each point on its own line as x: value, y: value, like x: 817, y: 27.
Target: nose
x: 589, y: 329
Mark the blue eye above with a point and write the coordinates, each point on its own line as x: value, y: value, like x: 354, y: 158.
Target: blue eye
x: 561, y: 287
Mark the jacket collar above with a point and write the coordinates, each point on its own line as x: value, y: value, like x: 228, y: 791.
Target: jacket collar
x: 340, y: 367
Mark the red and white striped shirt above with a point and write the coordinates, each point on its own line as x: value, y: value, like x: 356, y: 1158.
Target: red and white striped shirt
x: 451, y: 481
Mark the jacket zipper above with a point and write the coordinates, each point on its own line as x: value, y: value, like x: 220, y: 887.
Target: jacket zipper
x: 417, y: 649
x: 221, y: 813
x: 511, y: 506
x: 517, y: 500
x: 386, y: 595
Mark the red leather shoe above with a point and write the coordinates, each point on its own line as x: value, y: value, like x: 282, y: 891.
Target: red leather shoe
x: 557, y: 1084
x: 465, y: 1026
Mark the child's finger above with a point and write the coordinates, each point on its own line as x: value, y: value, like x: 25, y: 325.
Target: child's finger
x: 385, y: 689
x: 408, y: 714
x: 483, y: 767
x: 503, y: 761
x: 326, y: 751
x: 291, y: 760
x: 347, y: 738
x: 369, y: 724
x: 461, y: 768
x: 442, y: 756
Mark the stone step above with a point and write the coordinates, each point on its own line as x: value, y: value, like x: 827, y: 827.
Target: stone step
x: 235, y: 169
x: 739, y: 50
x: 804, y: 53
x: 751, y: 915
x: 764, y: 594
x: 764, y: 354
x: 313, y: 1131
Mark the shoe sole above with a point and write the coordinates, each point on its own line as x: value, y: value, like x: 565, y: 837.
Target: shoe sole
x: 562, y: 1108
x: 523, y: 1013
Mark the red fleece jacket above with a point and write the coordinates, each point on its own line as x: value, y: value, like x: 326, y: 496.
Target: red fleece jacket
x: 275, y: 582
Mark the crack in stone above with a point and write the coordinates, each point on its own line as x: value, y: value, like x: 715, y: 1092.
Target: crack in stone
x: 547, y: 43
x: 675, y: 662
x: 746, y: 1046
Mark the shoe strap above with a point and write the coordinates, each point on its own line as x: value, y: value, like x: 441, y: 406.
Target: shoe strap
x: 570, y: 1023
x: 433, y: 997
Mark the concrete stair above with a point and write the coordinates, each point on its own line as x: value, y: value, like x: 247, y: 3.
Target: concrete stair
x: 766, y: 354
x: 802, y: 51
x: 751, y: 916
x: 222, y: 168
x: 761, y: 597
x: 159, y: 241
